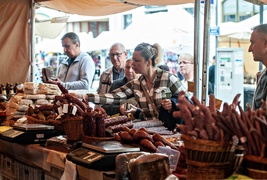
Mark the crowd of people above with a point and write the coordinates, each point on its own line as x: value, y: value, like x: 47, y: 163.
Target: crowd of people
x: 141, y: 84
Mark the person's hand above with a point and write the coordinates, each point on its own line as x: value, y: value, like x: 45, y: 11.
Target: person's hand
x: 56, y: 81
x: 166, y: 104
x: 125, y: 111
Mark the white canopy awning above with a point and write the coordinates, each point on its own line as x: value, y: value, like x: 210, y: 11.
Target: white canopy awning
x: 103, y: 7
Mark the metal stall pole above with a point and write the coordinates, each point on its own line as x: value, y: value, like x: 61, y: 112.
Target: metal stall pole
x: 197, y: 49
x: 31, y: 41
x: 206, y: 49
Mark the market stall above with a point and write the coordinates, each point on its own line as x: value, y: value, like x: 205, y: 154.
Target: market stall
x: 206, y: 136
x: 87, y: 140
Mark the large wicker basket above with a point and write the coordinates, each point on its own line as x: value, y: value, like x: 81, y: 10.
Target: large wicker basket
x: 73, y: 127
x: 198, y: 170
x: 207, y: 151
x: 257, y: 165
x: 208, y: 159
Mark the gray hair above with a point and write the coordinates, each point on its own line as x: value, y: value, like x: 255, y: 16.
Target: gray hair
x: 186, y: 56
x: 73, y: 37
x: 121, y: 46
x: 262, y: 28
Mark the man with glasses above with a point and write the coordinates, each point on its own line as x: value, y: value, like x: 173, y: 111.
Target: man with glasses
x: 117, y: 55
x: 76, y: 71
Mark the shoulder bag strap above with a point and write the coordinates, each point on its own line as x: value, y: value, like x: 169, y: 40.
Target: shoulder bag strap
x: 149, y: 100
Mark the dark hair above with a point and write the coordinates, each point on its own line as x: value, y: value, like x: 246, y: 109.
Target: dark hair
x: 73, y: 37
x: 262, y: 28
x: 164, y: 67
x: 148, y: 52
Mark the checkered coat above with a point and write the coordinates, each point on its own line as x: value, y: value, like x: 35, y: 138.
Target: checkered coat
x: 164, y: 86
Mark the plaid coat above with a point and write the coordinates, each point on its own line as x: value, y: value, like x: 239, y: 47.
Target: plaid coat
x: 164, y: 86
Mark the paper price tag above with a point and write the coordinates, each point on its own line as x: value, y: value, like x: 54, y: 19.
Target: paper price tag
x: 191, y: 86
x: 60, y: 110
x: 65, y: 108
x: 74, y: 110
x: 58, y: 103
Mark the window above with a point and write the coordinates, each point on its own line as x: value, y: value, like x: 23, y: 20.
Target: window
x: 127, y: 20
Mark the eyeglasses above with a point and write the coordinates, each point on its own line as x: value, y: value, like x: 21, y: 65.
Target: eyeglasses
x: 115, y: 54
x: 184, y: 62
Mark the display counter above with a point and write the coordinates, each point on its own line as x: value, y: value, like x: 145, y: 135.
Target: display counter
x: 37, y: 162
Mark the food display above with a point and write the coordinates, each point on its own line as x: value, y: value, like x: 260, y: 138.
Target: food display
x: 206, y: 141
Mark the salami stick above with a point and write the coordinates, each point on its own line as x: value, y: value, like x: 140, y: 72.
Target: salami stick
x: 235, y: 101
x: 195, y: 101
x: 220, y: 118
x: 183, y: 128
x: 157, y: 137
x: 182, y: 99
x: 255, y: 137
x: 243, y: 115
x: 248, y: 110
x: 193, y: 133
x: 236, y: 125
x: 125, y: 136
x: 216, y: 132
x: 257, y: 126
x: 62, y: 88
x: 250, y: 144
x: 207, y: 120
x: 198, y: 119
x: 177, y: 114
x: 186, y: 116
x: 227, y: 122
x: 264, y: 108
x: 223, y: 127
x: 142, y: 135
x: 148, y: 145
x: 159, y: 143
x: 226, y: 109
x: 203, y: 134
x: 76, y: 101
x: 264, y: 140
x: 263, y: 123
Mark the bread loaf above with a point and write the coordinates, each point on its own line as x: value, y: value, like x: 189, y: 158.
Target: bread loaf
x: 150, y: 167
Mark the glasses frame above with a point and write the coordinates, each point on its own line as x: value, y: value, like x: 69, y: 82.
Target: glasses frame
x: 112, y: 55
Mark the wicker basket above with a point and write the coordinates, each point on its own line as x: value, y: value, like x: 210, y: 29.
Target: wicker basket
x: 58, y: 126
x: 207, y: 151
x: 73, y: 127
x: 32, y: 120
x: 257, y: 165
x: 197, y: 170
